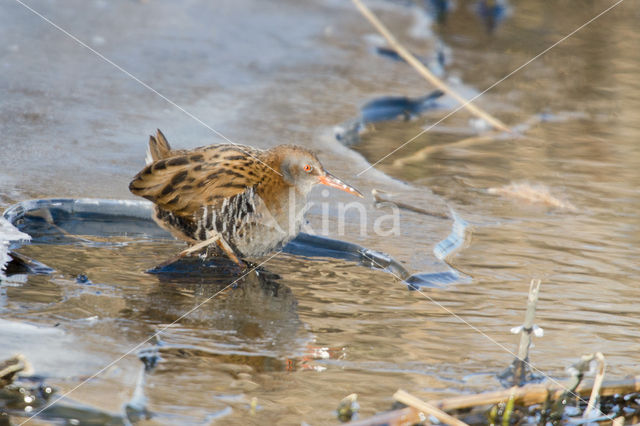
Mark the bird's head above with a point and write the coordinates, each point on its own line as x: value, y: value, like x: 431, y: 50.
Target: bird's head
x: 301, y: 168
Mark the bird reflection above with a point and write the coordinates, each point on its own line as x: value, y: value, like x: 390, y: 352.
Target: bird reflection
x: 207, y: 304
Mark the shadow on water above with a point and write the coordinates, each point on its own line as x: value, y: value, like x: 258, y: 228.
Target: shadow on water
x: 254, y: 310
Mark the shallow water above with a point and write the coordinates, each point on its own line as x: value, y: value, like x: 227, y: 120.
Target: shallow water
x: 267, y: 73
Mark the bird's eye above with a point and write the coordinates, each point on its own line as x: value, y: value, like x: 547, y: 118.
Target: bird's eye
x: 308, y: 168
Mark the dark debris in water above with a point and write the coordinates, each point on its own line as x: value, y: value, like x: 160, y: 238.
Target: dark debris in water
x: 393, y: 107
x: 385, y: 108
x: 149, y: 357
x: 83, y: 279
x: 437, y: 9
x: 492, y: 13
x: 348, y: 408
x: 29, y: 395
x: 532, y: 404
x: 9, y: 369
x: 519, y: 372
x: 571, y: 411
x: 436, y: 63
x: 23, y: 395
x: 19, y: 264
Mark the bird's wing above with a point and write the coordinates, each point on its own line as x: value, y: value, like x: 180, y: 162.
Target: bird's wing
x: 188, y: 180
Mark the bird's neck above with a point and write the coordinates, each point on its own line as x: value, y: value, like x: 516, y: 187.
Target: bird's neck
x: 280, y: 196
x: 286, y: 202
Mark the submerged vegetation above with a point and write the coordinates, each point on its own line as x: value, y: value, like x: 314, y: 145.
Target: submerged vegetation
x: 526, y: 400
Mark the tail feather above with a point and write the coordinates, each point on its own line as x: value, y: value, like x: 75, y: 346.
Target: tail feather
x: 159, y: 148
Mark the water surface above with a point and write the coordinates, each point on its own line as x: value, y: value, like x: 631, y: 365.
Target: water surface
x: 310, y: 332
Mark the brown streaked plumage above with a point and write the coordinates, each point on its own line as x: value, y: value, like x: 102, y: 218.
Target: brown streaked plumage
x: 246, y: 201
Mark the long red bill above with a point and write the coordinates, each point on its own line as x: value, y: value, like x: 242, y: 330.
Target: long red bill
x: 332, y: 181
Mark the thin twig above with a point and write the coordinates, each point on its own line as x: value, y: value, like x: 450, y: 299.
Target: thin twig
x: 424, y: 71
x: 379, y: 198
x: 415, y: 402
x: 525, y: 338
x: 618, y: 421
x: 10, y: 368
x: 518, y: 372
x: 402, y: 417
x: 423, y: 153
x: 536, y: 394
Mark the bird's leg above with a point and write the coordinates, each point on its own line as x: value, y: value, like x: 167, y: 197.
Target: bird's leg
x: 200, y: 245
x: 228, y: 251
x: 189, y: 250
x: 218, y: 239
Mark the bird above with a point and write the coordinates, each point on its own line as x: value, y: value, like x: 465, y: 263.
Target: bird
x: 232, y: 200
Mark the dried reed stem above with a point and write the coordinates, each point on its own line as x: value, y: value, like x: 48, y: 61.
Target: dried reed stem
x: 423, y: 153
x: 379, y: 198
x: 597, y: 384
x: 527, y: 328
x: 525, y: 395
x: 424, y: 71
